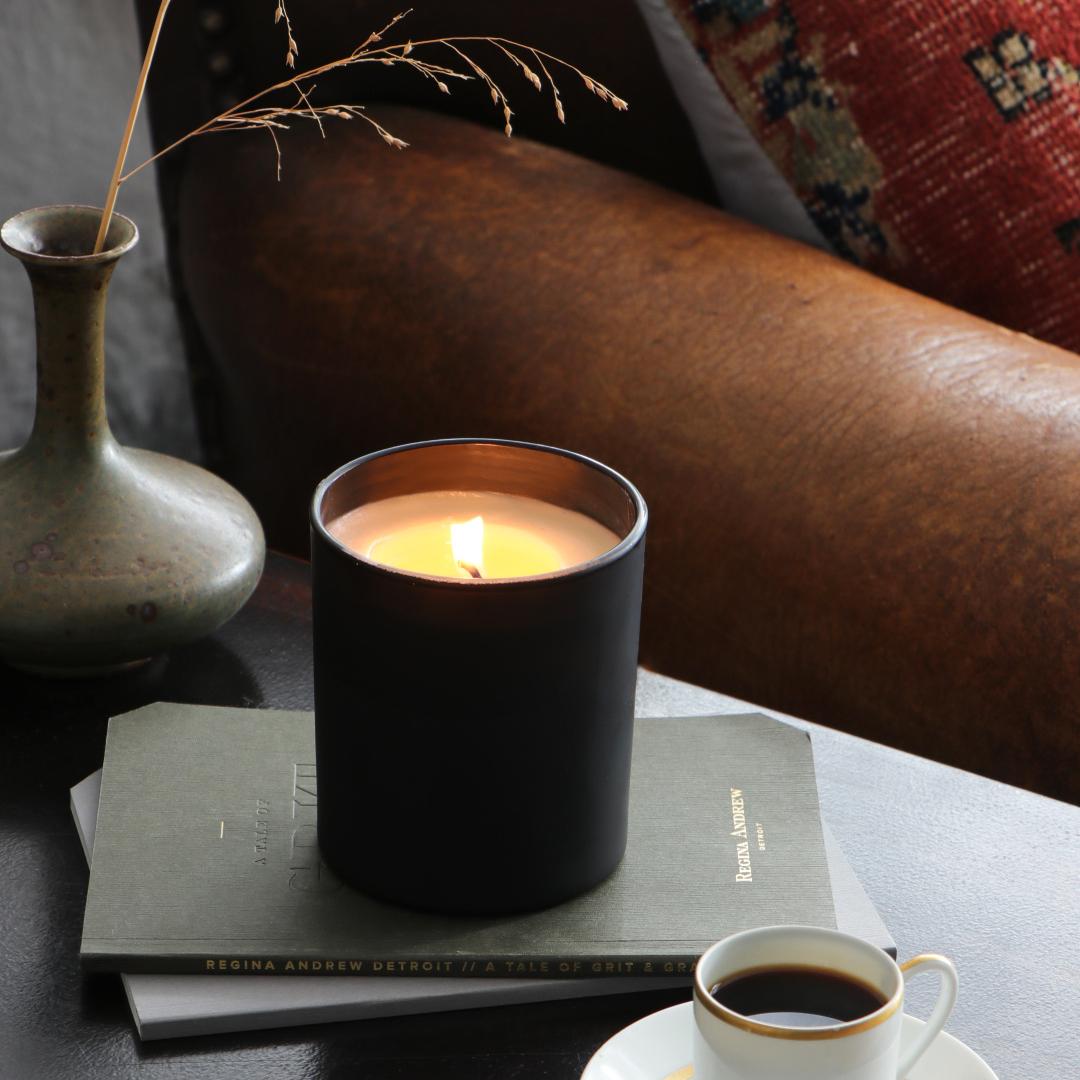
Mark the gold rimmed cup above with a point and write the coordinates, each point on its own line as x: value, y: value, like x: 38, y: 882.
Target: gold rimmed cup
x: 728, y: 1043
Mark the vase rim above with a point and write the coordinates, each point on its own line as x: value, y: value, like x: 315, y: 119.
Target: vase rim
x: 27, y: 234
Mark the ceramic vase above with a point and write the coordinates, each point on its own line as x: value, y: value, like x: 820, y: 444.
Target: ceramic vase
x: 108, y: 555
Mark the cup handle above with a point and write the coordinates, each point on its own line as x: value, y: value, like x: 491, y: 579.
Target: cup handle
x: 946, y: 1000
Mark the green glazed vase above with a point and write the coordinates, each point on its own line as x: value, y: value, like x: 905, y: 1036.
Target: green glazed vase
x: 108, y: 555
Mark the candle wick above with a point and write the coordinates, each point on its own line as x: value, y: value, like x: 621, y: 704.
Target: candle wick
x: 471, y: 570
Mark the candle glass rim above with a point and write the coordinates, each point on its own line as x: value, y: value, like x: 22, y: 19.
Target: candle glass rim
x: 627, y: 543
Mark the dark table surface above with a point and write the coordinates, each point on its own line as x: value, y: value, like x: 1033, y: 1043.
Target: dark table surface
x: 988, y: 874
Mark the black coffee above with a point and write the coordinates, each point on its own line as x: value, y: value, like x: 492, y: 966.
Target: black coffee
x: 797, y: 996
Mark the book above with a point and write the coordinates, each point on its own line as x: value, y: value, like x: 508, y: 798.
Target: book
x: 172, y: 1006
x: 206, y: 859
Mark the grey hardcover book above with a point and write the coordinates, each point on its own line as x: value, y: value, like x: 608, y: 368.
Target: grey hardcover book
x: 171, y: 1006
x: 205, y: 859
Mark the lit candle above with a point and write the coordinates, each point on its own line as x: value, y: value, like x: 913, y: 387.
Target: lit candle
x: 475, y: 611
x: 472, y: 534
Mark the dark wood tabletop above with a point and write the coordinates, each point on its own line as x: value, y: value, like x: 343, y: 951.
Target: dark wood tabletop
x: 985, y: 873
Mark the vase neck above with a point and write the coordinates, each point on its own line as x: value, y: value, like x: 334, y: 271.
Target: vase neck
x: 70, y: 281
x: 69, y: 313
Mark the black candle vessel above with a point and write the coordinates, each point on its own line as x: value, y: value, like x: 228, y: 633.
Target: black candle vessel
x: 473, y: 736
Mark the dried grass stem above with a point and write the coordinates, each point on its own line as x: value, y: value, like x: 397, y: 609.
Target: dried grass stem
x: 243, y: 117
x: 125, y: 141
x: 249, y: 114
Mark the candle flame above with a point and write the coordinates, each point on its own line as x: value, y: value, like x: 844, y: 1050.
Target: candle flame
x: 467, y: 544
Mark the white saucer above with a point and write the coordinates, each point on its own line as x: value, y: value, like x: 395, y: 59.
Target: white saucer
x: 658, y: 1048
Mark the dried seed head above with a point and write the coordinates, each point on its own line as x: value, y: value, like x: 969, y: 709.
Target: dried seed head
x: 272, y: 119
x: 279, y: 14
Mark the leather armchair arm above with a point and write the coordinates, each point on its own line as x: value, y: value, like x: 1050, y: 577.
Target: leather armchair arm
x: 864, y: 504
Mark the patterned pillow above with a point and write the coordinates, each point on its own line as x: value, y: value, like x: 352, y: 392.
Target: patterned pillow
x: 936, y: 142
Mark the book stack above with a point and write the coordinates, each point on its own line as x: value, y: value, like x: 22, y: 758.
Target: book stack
x: 207, y: 892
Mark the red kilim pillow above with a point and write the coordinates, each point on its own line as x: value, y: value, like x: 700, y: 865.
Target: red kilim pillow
x: 936, y: 142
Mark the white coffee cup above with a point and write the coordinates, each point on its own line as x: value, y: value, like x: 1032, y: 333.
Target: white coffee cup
x: 730, y: 1046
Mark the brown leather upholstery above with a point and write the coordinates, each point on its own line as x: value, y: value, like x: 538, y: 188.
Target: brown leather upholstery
x: 864, y: 504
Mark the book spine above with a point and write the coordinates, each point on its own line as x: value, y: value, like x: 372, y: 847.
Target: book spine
x: 675, y: 965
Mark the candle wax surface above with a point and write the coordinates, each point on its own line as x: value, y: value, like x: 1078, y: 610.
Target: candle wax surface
x: 522, y: 537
